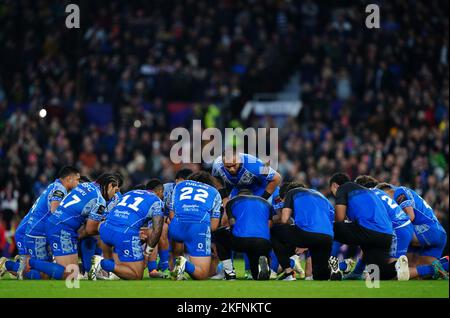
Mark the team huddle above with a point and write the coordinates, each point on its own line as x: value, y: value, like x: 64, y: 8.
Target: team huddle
x: 185, y: 228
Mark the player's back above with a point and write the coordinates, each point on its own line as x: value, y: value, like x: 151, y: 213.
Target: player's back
x: 395, y: 212
x: 423, y: 213
x: 252, y: 214
x: 312, y: 212
x: 135, y: 209
x: 41, y: 211
x: 77, y: 205
x: 194, y: 202
x: 365, y: 208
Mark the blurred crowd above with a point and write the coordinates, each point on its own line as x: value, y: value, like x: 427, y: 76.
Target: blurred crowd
x: 375, y: 101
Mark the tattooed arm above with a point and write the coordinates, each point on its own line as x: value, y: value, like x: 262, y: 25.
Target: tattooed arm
x: 155, y: 234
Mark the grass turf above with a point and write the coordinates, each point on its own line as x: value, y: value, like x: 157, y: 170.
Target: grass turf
x: 158, y: 288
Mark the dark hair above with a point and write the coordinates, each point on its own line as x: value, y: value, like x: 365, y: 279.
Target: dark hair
x: 84, y: 179
x: 245, y: 191
x: 183, y: 173
x: 139, y: 186
x: 152, y: 184
x: 202, y: 176
x: 384, y: 185
x: 367, y: 181
x: 119, y: 178
x: 340, y: 178
x: 287, y: 186
x: 104, y: 180
x: 67, y: 171
x: 227, y: 151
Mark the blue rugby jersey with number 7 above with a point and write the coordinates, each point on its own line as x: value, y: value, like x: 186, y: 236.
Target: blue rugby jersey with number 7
x: 82, y: 203
x: 194, y: 202
x: 135, y: 209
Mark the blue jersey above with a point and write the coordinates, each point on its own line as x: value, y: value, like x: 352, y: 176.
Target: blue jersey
x: 22, y: 228
x: 40, y: 211
x: 424, y: 214
x: 395, y: 212
x: 312, y: 212
x: 194, y: 202
x: 252, y: 215
x: 113, y: 202
x: 364, y: 207
x: 253, y: 174
x: 82, y: 203
x: 135, y: 209
x: 168, y: 190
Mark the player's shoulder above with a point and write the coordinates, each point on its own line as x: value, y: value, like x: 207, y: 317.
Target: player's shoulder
x: 57, y: 186
x: 250, y: 161
x: 218, y: 162
x: 168, y: 187
x: 403, y: 190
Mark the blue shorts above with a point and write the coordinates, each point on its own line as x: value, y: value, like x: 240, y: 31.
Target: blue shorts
x: 20, y: 238
x: 128, y: 247
x: 401, y: 239
x: 62, y: 241
x: 37, y: 248
x: 195, y: 236
x: 432, y: 240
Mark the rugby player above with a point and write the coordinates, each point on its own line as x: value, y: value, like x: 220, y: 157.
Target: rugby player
x: 403, y: 229
x: 369, y: 226
x: 195, y: 207
x: 30, y: 235
x: 429, y: 236
x: 313, y: 218
x: 249, y: 218
x: 67, y: 224
x: 122, y: 230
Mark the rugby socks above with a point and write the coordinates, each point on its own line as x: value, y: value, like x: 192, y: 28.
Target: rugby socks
x: 219, y: 267
x: 359, y: 267
x: 152, y: 265
x: 274, y: 261
x: 189, y: 268
x: 425, y: 270
x: 53, y: 270
x: 108, y: 265
x: 336, y: 248
x: 163, y: 260
x: 444, y: 262
x: 12, y: 266
x: 228, y: 264
x: 88, y: 247
x: 246, y: 262
x: 33, y: 274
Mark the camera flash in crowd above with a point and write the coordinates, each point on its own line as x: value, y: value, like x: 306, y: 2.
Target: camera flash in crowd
x: 43, y: 113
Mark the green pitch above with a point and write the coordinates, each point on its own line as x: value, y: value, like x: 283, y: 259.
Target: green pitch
x: 222, y: 289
